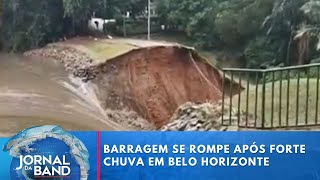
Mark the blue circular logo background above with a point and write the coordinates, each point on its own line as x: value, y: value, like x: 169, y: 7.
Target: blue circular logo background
x: 47, y: 152
x: 45, y: 147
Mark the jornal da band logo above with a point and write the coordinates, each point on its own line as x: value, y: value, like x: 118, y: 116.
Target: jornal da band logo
x: 45, y: 166
x: 47, y: 152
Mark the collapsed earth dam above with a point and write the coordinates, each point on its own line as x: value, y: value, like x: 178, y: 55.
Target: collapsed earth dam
x: 138, y: 87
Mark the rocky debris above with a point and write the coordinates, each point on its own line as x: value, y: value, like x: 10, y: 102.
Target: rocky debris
x: 75, y: 62
x: 83, y: 67
x: 202, y: 117
x: 129, y: 119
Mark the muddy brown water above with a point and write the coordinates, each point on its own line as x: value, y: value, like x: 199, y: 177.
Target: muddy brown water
x: 39, y: 92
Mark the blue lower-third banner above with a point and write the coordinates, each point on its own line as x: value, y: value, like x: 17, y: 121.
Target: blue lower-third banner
x: 49, y: 152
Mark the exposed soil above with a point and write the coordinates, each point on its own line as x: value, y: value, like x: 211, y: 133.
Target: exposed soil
x: 156, y: 81
x: 153, y: 81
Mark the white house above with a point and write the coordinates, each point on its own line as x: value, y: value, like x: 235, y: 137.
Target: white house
x: 97, y: 24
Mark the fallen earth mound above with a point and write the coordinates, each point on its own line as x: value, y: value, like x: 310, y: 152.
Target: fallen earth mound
x: 156, y: 81
x: 202, y: 117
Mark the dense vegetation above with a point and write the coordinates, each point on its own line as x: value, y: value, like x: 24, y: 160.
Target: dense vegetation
x: 33, y: 23
x: 267, y: 32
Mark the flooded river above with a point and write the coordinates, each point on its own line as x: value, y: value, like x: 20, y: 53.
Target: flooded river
x: 39, y: 92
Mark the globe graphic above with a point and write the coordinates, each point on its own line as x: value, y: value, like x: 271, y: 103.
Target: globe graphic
x: 45, y: 147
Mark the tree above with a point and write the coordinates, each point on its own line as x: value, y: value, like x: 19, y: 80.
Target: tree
x: 215, y: 22
x: 195, y: 18
x: 268, y: 32
x: 77, y: 13
x: 31, y: 23
x: 298, y: 23
x: 117, y: 8
x: 238, y: 20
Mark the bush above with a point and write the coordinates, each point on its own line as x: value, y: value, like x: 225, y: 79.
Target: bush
x: 257, y: 55
x: 239, y: 21
x: 31, y: 23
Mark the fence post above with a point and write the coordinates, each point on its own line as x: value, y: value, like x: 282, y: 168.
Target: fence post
x: 256, y: 100
x: 280, y: 100
x: 223, y: 95
x: 317, y: 98
x: 298, y: 99
x: 288, y: 98
x: 247, y: 100
x: 263, y: 99
x: 231, y: 94
x: 272, y: 99
x: 307, y: 99
x: 239, y: 97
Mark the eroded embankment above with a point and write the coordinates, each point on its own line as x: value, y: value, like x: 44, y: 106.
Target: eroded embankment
x: 153, y: 81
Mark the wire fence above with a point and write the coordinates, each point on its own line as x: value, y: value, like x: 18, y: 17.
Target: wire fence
x: 272, y: 98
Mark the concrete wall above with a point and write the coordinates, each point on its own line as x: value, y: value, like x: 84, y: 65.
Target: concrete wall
x: 97, y: 24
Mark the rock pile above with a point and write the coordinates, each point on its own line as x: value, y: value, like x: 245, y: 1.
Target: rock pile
x: 75, y: 62
x: 201, y: 117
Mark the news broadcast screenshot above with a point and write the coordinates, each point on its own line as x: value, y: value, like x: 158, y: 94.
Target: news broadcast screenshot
x: 159, y: 89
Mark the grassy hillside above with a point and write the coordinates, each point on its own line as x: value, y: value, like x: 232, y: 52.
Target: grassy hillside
x: 181, y: 39
x: 99, y: 49
x: 306, y: 107
x: 103, y: 50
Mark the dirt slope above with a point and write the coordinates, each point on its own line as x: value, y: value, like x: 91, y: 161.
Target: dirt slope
x: 156, y: 81
x: 151, y: 80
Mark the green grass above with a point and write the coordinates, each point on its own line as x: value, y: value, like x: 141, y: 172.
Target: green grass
x: 102, y: 51
x: 307, y: 108
x: 181, y: 39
